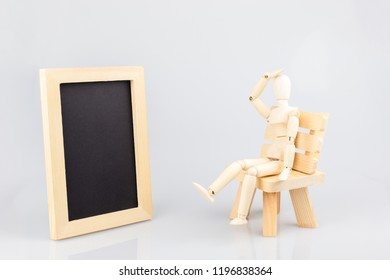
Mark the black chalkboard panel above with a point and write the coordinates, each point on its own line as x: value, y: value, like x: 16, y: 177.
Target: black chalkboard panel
x: 99, y: 148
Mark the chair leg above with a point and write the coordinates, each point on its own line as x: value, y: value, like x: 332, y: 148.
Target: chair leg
x: 278, y: 202
x: 234, y: 211
x: 303, y: 208
x: 270, y: 214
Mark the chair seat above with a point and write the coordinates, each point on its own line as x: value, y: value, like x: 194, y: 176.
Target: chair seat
x: 296, y: 180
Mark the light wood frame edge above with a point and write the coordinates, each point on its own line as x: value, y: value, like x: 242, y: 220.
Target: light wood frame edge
x: 50, y: 80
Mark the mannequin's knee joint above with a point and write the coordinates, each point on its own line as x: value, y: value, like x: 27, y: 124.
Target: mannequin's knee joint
x: 252, y: 171
x: 241, y: 163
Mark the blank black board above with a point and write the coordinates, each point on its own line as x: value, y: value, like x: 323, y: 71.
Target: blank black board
x: 98, y: 147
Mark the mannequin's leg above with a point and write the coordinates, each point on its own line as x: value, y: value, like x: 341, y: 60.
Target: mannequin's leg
x: 227, y: 176
x: 249, y: 187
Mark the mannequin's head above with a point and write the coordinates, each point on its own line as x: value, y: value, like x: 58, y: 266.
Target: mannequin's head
x: 282, y: 87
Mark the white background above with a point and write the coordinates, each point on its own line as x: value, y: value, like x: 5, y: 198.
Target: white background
x: 201, y: 60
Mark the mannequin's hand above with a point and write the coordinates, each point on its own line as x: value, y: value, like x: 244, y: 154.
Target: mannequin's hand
x: 285, y: 173
x: 273, y: 74
x: 262, y: 82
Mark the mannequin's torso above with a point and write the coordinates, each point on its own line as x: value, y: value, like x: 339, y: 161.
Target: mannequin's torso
x: 277, y: 127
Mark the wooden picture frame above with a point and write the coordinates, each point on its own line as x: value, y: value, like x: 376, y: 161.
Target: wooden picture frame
x: 51, y: 81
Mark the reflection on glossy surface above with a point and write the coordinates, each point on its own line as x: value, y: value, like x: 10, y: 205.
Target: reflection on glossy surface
x: 302, y: 244
x: 128, y: 242
x: 270, y: 248
x: 122, y: 251
x: 243, y: 242
x: 202, y: 231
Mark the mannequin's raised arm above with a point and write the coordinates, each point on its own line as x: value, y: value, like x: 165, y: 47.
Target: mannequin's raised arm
x: 258, y: 89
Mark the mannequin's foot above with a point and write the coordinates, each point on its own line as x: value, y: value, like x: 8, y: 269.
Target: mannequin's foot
x: 238, y: 221
x: 203, y: 192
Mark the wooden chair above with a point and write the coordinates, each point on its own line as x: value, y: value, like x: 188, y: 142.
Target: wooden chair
x: 308, y: 145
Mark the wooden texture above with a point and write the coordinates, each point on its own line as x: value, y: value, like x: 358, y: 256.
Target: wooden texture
x: 305, y: 163
x: 313, y: 121
x: 270, y: 213
x: 261, y: 108
x: 303, y: 208
x: 296, y: 180
x: 309, y: 141
x: 262, y: 82
x: 272, y: 131
x: 60, y: 227
x: 234, y: 211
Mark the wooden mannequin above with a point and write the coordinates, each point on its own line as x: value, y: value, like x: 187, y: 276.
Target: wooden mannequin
x: 283, y: 122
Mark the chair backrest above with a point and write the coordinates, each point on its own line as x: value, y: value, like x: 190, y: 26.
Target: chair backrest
x: 308, y: 142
